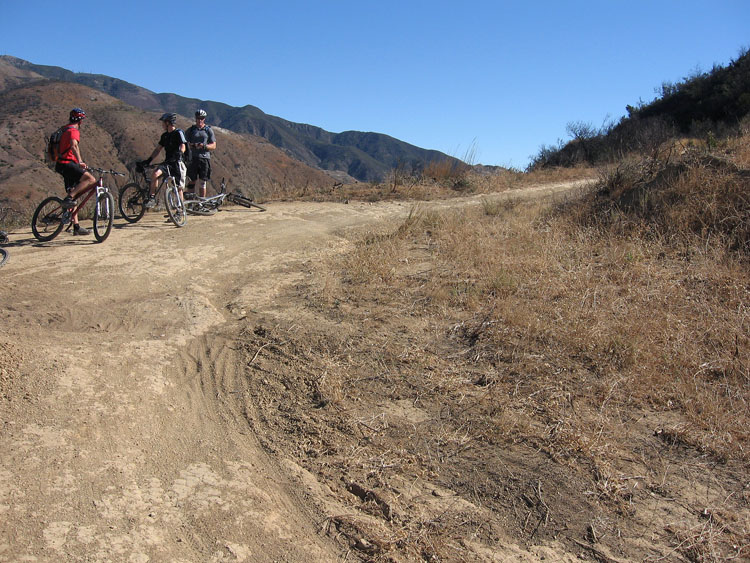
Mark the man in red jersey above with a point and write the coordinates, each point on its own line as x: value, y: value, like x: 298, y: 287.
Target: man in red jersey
x: 71, y: 167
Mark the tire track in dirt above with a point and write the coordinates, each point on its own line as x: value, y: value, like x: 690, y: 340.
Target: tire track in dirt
x: 122, y: 436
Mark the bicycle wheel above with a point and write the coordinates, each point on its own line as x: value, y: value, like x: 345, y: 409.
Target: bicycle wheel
x: 199, y: 208
x: 132, y: 200
x: 104, y: 213
x: 175, y: 206
x: 244, y: 201
x: 47, y: 221
x: 3, y: 256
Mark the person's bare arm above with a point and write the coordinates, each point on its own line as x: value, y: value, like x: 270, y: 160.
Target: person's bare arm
x: 77, y: 153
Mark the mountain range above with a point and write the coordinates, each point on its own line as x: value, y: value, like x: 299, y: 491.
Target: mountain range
x: 347, y: 156
x: 113, y: 136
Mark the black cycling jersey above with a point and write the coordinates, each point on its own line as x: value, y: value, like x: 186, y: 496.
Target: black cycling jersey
x: 171, y: 143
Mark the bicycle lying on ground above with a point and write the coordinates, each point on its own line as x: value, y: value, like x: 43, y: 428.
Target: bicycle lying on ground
x: 197, y: 205
x: 133, y: 197
x: 50, y: 217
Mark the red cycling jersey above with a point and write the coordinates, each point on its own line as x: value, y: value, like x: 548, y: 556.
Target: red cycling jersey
x: 66, y: 144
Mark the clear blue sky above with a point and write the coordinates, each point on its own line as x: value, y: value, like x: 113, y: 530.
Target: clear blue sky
x: 493, y: 80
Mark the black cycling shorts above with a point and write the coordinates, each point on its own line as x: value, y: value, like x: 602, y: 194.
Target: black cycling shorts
x: 71, y: 173
x: 199, y: 168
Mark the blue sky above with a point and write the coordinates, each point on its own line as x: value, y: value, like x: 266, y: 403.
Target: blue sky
x: 491, y: 81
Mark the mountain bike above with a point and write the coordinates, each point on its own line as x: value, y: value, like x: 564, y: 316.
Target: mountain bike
x: 3, y: 253
x: 133, y: 197
x: 50, y: 217
x: 196, y: 205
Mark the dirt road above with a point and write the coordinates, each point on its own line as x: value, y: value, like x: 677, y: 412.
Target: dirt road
x: 119, y: 435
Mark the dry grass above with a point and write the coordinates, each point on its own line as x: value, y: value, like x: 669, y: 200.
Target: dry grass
x: 582, y: 367
x: 654, y: 291
x: 442, y: 181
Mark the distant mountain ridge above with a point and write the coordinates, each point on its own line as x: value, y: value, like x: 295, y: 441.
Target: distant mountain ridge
x: 363, y: 156
x: 115, y: 135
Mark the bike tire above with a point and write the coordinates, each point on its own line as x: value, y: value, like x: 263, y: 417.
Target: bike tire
x: 244, y: 201
x: 132, y: 202
x: 175, y: 206
x: 104, y: 214
x: 198, y: 208
x: 47, y: 222
x: 4, y: 255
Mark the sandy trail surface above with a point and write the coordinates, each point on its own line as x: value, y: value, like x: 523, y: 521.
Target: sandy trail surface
x: 120, y: 437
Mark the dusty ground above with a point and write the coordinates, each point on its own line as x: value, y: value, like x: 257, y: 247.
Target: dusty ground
x: 129, y: 425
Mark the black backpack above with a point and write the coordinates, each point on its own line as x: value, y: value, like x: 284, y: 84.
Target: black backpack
x: 53, y: 145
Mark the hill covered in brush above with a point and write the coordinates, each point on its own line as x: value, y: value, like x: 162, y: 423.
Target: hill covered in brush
x: 350, y: 155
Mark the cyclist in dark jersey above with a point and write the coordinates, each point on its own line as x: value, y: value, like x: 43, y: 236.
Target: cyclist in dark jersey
x: 201, y: 140
x: 173, y: 142
x: 71, y: 167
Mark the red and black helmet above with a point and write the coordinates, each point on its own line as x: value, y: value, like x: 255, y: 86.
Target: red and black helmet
x: 76, y: 115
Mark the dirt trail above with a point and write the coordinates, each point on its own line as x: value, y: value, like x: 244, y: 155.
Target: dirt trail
x: 120, y: 437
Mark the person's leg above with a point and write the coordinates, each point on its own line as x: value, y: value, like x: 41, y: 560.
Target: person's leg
x: 181, y: 183
x: 157, y: 173
x: 155, y: 176
x: 87, y: 181
x: 192, y: 175
x: 205, y: 175
x: 77, y: 180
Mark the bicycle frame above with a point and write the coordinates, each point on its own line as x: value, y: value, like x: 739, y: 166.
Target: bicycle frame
x: 164, y: 180
x: 206, y: 205
x: 214, y: 200
x: 209, y: 205
x: 97, y: 189
x: 89, y: 192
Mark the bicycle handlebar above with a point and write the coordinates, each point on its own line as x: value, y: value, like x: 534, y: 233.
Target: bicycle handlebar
x: 103, y: 171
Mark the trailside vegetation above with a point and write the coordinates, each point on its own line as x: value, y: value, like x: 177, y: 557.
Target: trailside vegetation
x: 704, y: 108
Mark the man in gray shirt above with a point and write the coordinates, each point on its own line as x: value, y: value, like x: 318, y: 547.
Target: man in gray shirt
x: 201, y: 140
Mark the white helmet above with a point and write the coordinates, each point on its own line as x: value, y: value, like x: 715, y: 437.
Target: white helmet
x: 201, y: 114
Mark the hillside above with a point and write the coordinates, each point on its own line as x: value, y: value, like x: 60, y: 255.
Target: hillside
x: 354, y: 155
x: 116, y: 134
x: 703, y: 107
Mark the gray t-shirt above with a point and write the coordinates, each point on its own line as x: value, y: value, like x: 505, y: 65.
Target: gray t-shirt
x: 204, y: 136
